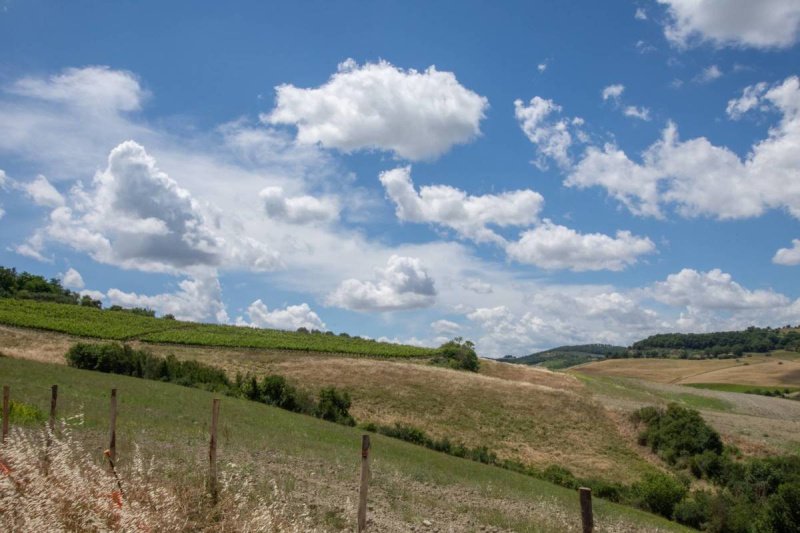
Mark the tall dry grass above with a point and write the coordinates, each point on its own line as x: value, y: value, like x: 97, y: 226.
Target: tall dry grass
x: 52, y: 482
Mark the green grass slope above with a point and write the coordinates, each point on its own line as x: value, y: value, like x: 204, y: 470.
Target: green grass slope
x: 117, y: 325
x: 314, y: 461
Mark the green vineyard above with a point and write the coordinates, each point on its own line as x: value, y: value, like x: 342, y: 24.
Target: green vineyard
x: 121, y: 325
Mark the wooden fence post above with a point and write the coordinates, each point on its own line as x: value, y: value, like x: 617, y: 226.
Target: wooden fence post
x: 6, y: 410
x: 53, y: 401
x: 362, y: 495
x: 586, y: 509
x: 212, y: 452
x: 112, y: 438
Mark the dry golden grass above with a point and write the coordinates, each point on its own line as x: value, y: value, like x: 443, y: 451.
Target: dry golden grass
x: 757, y: 370
x: 75, y: 493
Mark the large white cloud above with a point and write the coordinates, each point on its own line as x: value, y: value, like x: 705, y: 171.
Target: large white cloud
x: 753, y: 23
x: 298, y: 209
x: 416, y: 115
x: 403, y: 284
x: 290, y: 318
x: 563, y: 315
x: 700, y: 178
x: 136, y: 216
x: 713, y: 290
x: 551, y: 246
x: 551, y: 136
x: 197, y: 299
x: 469, y: 216
x: 788, y: 256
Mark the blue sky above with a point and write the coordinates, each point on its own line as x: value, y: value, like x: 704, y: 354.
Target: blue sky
x: 520, y: 174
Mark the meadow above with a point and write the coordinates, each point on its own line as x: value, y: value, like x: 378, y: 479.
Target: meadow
x: 313, y: 463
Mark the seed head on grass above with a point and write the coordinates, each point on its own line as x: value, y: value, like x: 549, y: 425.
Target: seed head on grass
x: 78, y: 494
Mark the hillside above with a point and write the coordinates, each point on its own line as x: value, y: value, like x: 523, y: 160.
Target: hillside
x: 567, y: 356
x: 531, y: 415
x: 314, y: 463
x: 757, y: 424
x: 88, y: 321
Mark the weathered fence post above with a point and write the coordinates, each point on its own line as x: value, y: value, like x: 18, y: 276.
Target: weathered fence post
x: 586, y: 509
x: 212, y: 452
x: 53, y: 401
x: 362, y: 495
x: 112, y: 438
x: 6, y: 410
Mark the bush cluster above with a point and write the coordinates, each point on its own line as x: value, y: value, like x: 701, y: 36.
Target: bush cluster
x: 758, y: 494
x: 275, y: 390
x: 458, y: 354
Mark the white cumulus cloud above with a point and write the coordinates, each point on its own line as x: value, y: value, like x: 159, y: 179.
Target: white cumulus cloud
x: 700, y: 178
x: 551, y: 246
x: 613, y: 92
x: 642, y: 113
x: 197, y: 299
x: 757, y: 24
x: 551, y: 136
x: 136, y: 216
x: 403, y: 284
x: 298, y: 209
x: 712, y: 290
x: 788, y: 256
x: 72, y: 279
x: 469, y: 216
x: 750, y: 99
x: 416, y: 115
x: 290, y: 318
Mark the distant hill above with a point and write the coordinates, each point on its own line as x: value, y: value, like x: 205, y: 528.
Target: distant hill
x: 730, y: 343
x: 567, y: 356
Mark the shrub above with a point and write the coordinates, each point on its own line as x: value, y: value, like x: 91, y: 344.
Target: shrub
x: 783, y: 509
x: 560, y: 476
x: 275, y: 390
x: 659, y: 493
x: 334, y: 406
x: 458, y: 354
x: 694, y: 511
x: 677, y: 433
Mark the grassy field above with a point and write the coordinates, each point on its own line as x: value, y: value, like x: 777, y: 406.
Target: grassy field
x: 528, y: 414
x: 314, y: 462
x: 117, y: 325
x: 778, y: 369
x: 758, y: 425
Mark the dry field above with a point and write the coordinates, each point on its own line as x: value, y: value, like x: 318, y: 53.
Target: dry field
x: 779, y: 369
x: 532, y: 415
x: 756, y: 424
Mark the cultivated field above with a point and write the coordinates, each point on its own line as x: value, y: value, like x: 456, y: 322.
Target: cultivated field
x: 314, y: 463
x: 120, y: 325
